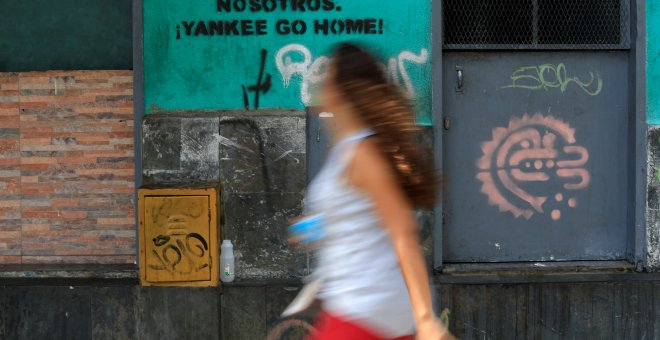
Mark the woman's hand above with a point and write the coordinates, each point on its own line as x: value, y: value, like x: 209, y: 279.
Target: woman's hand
x: 294, y: 240
x: 305, y: 231
x: 432, y: 329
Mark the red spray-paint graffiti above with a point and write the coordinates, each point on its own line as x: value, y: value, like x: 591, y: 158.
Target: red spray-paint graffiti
x: 530, y: 151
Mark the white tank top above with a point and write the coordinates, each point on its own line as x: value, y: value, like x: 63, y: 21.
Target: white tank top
x: 362, y: 279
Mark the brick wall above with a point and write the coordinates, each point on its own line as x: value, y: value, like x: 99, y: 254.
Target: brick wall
x: 66, y: 167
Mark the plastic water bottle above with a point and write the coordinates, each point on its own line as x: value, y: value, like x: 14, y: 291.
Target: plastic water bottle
x: 227, y: 261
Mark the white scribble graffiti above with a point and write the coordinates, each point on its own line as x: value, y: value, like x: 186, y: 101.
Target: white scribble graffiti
x: 312, y: 71
x: 400, y: 62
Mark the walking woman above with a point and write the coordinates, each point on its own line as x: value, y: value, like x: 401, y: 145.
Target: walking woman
x: 374, y: 276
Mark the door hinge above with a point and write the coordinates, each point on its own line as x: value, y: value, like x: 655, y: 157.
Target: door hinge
x: 446, y: 123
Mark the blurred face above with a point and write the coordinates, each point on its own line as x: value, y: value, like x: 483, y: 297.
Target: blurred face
x: 329, y: 95
x: 331, y: 99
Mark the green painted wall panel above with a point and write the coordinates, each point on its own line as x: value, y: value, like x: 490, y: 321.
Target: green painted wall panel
x: 190, y: 66
x: 653, y: 61
x: 39, y: 35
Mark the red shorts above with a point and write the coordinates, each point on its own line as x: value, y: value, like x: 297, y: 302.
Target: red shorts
x: 329, y: 327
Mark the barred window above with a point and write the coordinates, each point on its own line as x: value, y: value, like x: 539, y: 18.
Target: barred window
x: 536, y: 24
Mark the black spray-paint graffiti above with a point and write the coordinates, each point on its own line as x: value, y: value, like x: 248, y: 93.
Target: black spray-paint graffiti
x: 262, y: 86
x: 256, y: 6
x: 550, y: 76
x: 220, y: 28
x: 171, y: 250
x: 282, y: 26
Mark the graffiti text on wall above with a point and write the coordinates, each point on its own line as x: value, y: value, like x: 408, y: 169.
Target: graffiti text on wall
x: 261, y: 86
x: 180, y: 253
x: 550, y: 76
x: 291, y: 26
x: 312, y: 71
x: 178, y: 245
x: 269, y: 54
x: 531, y: 160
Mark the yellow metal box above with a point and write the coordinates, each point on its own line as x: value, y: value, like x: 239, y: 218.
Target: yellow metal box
x: 178, y: 237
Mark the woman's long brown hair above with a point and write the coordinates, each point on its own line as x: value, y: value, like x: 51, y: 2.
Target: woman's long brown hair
x: 384, y: 108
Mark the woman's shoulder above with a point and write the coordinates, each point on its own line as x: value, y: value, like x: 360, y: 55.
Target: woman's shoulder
x: 369, y: 165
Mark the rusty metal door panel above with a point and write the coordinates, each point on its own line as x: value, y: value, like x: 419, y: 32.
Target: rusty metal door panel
x: 535, y: 153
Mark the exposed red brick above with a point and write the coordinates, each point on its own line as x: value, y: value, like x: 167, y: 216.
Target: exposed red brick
x: 25, y: 106
x: 116, y: 220
x: 10, y: 161
x: 75, y: 150
x: 9, y: 148
x: 36, y: 208
x: 40, y: 214
x: 10, y: 259
x: 10, y: 122
x: 76, y: 160
x: 4, y: 203
x: 38, y: 160
x: 92, y: 142
x: 34, y: 166
x: 9, y: 105
x: 31, y: 227
x: 10, y: 185
x: 87, y: 259
x: 64, y: 202
x: 9, y: 93
x: 29, y: 179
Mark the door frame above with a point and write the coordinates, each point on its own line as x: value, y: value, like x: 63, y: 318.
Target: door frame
x: 637, y: 145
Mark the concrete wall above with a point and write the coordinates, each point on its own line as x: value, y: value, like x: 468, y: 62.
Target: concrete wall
x: 653, y: 201
x: 259, y: 161
x: 108, y: 312
x: 111, y: 310
x: 66, y: 167
x: 653, y: 119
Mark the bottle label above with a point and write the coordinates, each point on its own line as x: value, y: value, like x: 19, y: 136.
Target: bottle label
x: 227, y: 272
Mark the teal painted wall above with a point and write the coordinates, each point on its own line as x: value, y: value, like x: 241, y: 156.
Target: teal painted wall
x: 39, y: 35
x: 187, y: 67
x: 653, y: 61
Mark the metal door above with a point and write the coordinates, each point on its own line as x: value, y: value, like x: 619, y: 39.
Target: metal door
x: 535, y: 154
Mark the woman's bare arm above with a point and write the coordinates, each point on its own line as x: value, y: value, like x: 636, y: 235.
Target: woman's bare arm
x: 370, y: 173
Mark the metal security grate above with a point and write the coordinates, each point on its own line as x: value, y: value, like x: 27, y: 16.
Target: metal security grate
x: 536, y: 24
